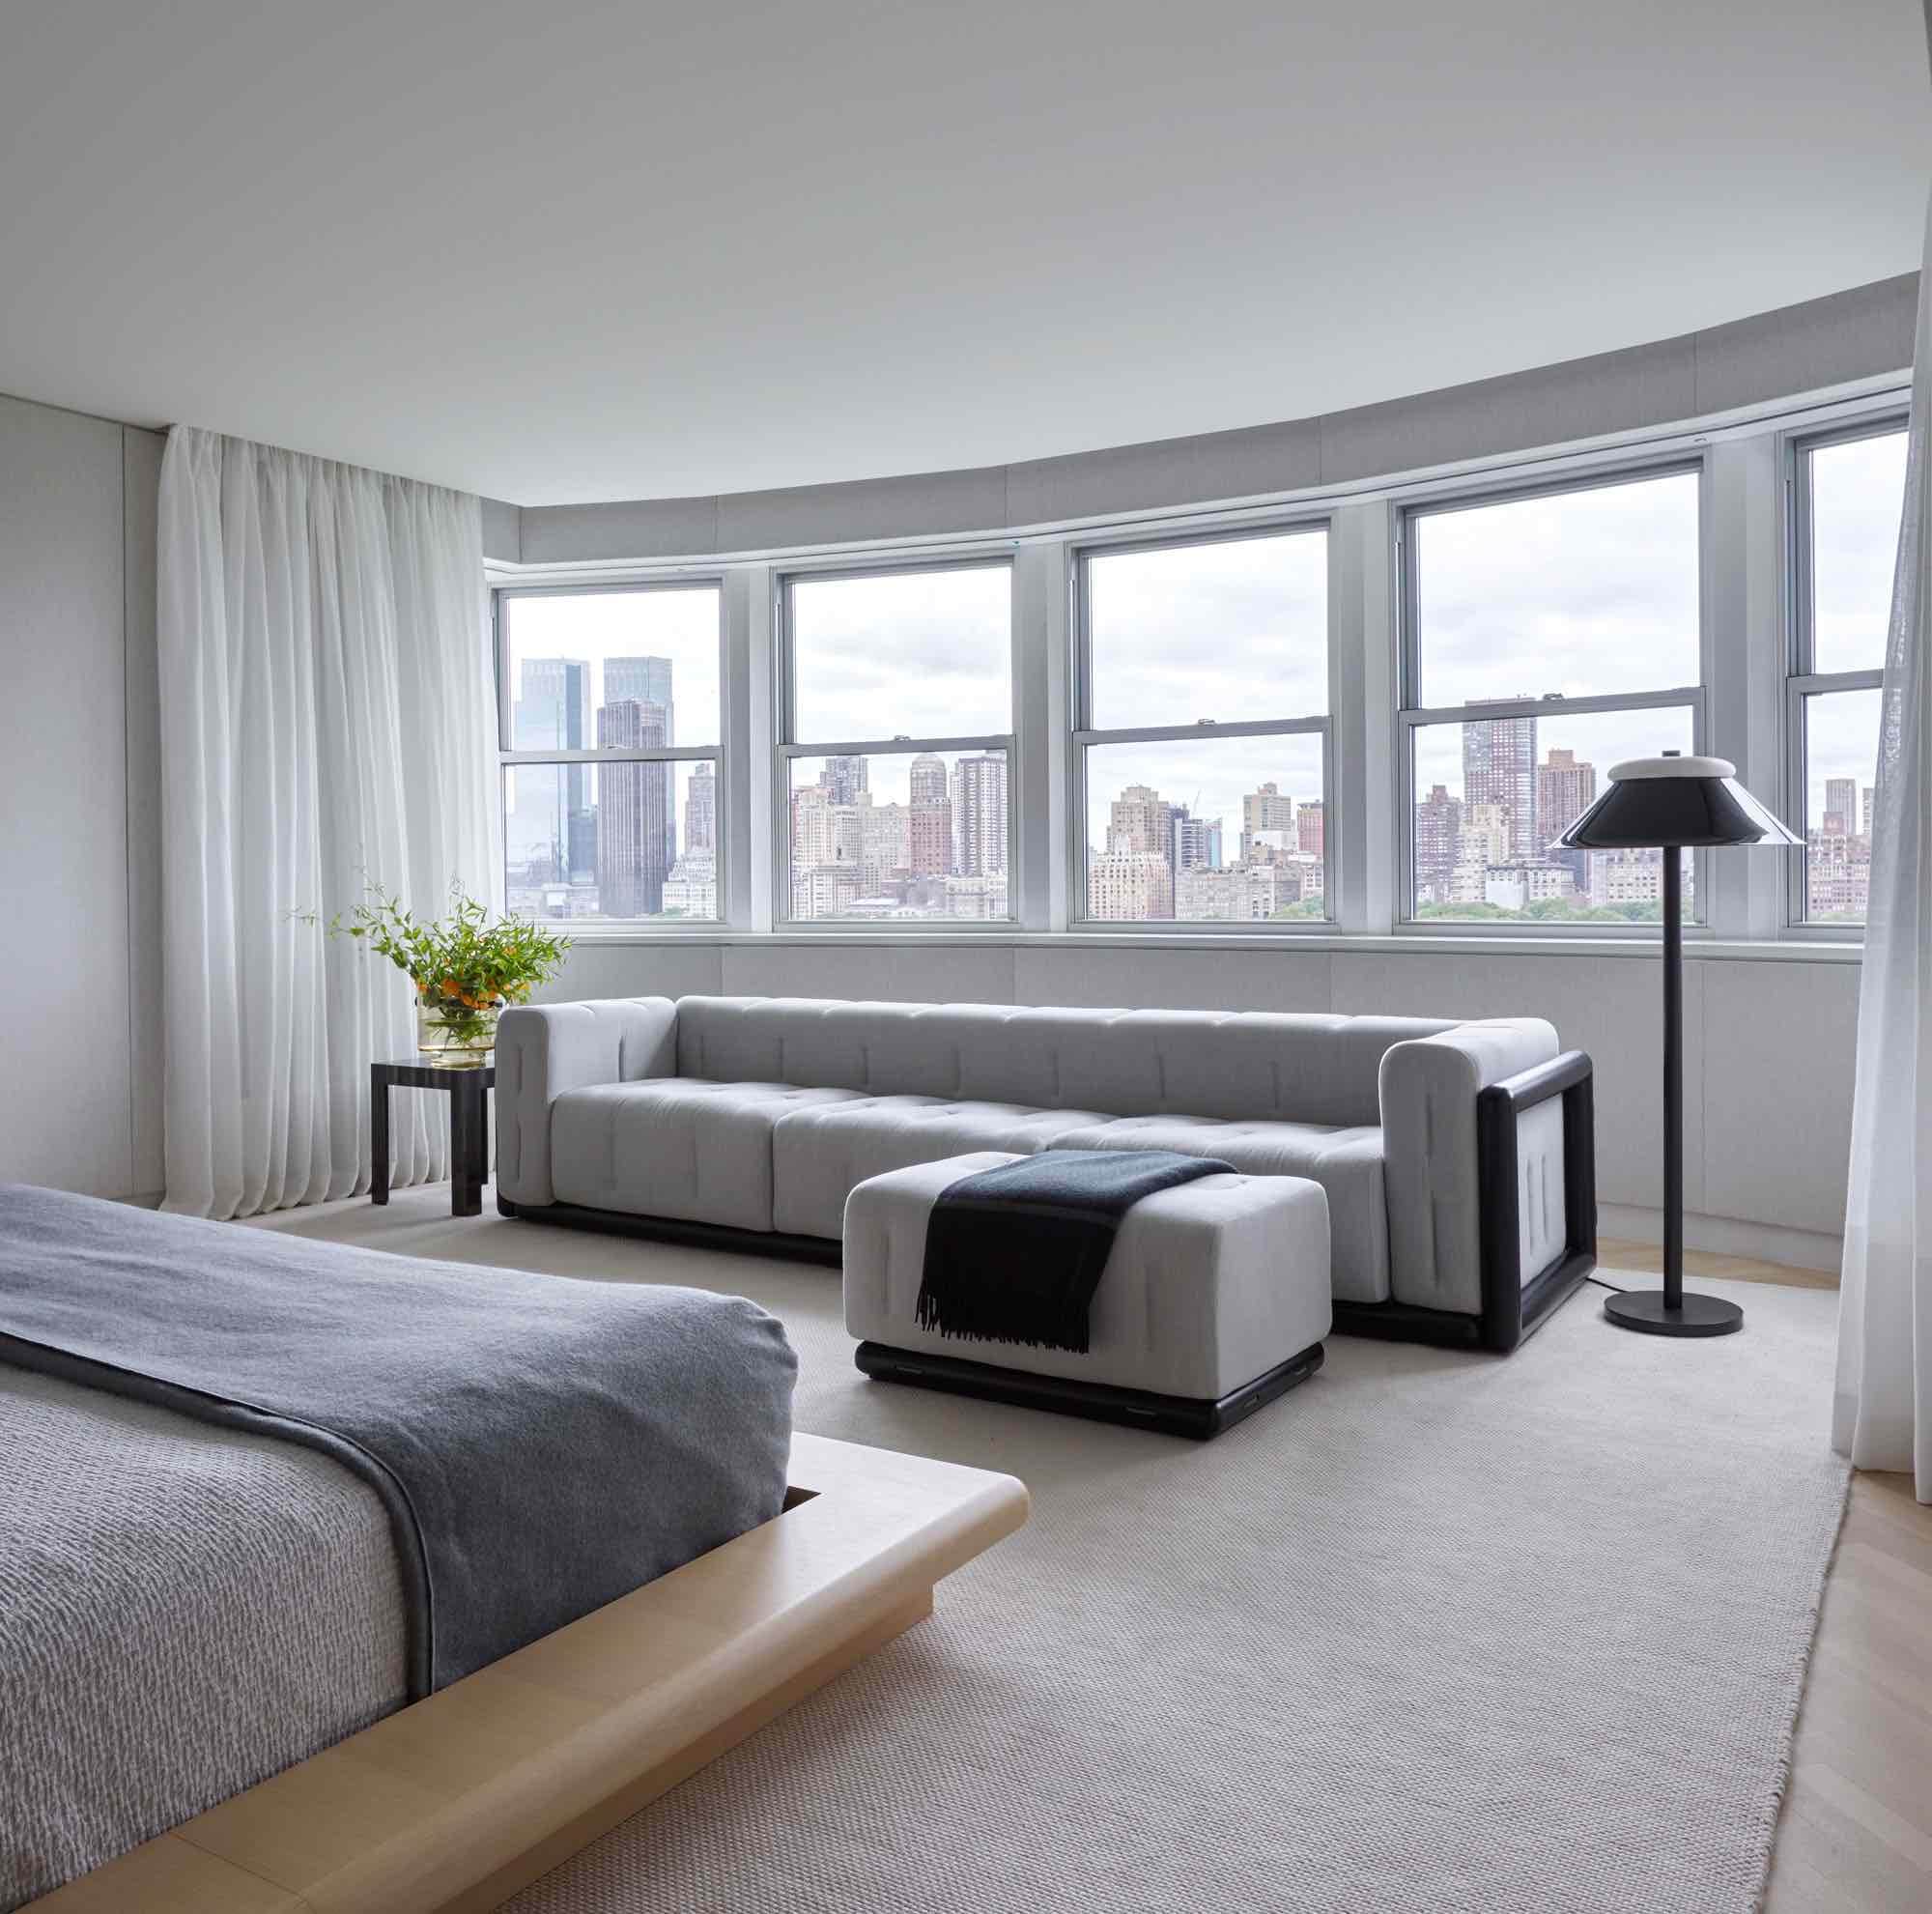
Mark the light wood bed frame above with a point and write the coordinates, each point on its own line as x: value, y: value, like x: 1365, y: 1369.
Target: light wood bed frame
x: 454, y: 1803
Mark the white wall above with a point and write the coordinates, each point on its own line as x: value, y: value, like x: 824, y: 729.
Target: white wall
x: 79, y: 792
x: 1768, y: 1040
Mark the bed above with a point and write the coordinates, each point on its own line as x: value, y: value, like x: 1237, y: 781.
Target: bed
x: 218, y: 1686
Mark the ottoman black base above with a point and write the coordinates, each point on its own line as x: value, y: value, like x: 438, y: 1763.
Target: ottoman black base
x: 1100, y: 1402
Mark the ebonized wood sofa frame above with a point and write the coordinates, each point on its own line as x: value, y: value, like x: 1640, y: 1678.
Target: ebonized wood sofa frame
x: 1511, y: 1307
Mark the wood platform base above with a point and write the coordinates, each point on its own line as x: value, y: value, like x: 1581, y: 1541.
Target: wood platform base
x: 454, y: 1803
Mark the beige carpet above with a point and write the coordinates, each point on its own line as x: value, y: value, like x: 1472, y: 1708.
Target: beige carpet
x: 1435, y: 1632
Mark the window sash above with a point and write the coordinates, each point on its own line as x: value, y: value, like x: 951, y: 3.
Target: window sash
x: 1079, y: 845
x: 1690, y: 698
x: 786, y: 649
x: 1081, y: 556
x: 672, y: 926
x: 781, y: 845
x: 1799, y: 690
x: 1410, y: 600
x: 500, y: 605
x: 1801, y: 681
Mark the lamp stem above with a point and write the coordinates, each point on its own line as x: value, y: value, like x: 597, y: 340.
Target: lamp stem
x: 1673, y: 1078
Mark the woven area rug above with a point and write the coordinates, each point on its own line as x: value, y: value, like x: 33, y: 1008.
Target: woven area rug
x: 1435, y: 1632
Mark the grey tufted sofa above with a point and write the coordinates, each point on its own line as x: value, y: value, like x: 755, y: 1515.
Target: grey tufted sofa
x: 1456, y: 1158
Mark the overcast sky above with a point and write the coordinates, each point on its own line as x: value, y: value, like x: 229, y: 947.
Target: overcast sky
x: 1575, y: 592
x: 678, y: 622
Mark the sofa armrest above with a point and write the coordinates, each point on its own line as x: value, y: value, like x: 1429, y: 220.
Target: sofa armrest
x: 1429, y: 1087
x: 544, y: 1049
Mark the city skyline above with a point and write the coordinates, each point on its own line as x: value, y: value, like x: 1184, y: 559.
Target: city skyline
x: 897, y: 835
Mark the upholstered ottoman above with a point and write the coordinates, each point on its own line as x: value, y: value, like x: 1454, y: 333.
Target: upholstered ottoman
x: 1214, y: 1300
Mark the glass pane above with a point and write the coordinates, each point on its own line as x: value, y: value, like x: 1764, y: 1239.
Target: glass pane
x: 1840, y: 764
x: 1493, y: 797
x: 900, y: 837
x: 612, y: 840
x: 1858, y: 496
x: 1567, y: 594
x: 1214, y: 830
x: 902, y: 655
x: 576, y: 655
x: 1235, y: 629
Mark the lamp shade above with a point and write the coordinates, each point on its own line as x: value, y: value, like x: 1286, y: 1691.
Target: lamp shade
x: 1670, y: 801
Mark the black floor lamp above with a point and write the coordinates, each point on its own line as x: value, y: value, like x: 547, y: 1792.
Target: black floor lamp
x: 1673, y: 804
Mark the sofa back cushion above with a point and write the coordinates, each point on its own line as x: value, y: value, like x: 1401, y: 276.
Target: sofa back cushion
x: 1233, y: 1064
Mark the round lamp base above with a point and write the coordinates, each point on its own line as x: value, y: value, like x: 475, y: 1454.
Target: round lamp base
x: 1643, y: 1310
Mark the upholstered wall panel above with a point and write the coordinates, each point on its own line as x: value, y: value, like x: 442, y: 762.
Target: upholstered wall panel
x: 67, y: 1118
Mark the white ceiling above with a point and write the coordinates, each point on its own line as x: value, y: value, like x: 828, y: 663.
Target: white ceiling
x: 576, y: 249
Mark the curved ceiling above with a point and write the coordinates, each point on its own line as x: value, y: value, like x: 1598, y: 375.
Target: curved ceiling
x: 585, y: 250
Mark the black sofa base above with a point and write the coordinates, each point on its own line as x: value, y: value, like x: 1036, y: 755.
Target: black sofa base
x: 669, y: 1229
x: 1446, y: 1328
x: 1100, y: 1402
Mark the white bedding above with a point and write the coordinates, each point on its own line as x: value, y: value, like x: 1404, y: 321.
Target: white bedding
x: 184, y: 1611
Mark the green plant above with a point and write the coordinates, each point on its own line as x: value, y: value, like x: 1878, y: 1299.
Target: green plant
x: 465, y: 967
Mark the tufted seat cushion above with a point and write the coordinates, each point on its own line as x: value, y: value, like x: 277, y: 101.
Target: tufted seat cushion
x: 819, y: 1153
x: 679, y: 1147
x: 1346, y: 1162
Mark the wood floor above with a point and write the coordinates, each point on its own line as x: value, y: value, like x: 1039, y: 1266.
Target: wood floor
x: 1854, y: 1836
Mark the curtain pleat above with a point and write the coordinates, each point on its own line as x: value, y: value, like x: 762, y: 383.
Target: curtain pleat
x: 1883, y: 1408
x: 325, y: 724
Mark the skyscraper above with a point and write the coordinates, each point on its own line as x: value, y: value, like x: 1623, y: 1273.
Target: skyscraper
x: 1438, y: 827
x: 1564, y: 790
x: 1311, y: 828
x: 700, y: 811
x: 1141, y: 821
x: 554, y: 808
x: 980, y: 815
x: 930, y: 830
x: 1197, y: 842
x: 633, y: 804
x: 1841, y: 798
x: 648, y: 680
x: 1270, y: 810
x: 1500, y: 768
x: 844, y: 778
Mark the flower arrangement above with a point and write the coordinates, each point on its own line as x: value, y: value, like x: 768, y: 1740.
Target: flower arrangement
x: 465, y: 967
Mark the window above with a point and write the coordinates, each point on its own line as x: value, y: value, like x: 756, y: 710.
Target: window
x: 609, y: 727
x: 1201, y: 743
x: 1566, y: 624
x: 895, y: 753
x: 1848, y: 494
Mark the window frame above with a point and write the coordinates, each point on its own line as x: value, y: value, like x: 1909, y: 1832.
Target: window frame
x: 1411, y: 716
x: 785, y: 746
x: 1801, y: 681
x: 1083, y: 735
x: 715, y: 754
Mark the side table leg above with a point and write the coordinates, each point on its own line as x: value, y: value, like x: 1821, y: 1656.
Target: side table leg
x: 379, y: 1135
x: 465, y: 1145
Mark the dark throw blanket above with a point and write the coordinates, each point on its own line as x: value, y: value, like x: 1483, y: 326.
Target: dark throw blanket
x: 1014, y: 1254
x: 543, y: 1444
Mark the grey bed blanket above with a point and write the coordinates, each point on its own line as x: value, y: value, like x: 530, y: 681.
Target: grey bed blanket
x: 541, y: 1444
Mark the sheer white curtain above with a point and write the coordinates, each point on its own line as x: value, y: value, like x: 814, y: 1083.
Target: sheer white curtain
x: 326, y: 722
x: 1882, y: 1413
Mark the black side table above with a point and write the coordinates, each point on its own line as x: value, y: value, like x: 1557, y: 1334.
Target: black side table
x: 469, y: 1127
